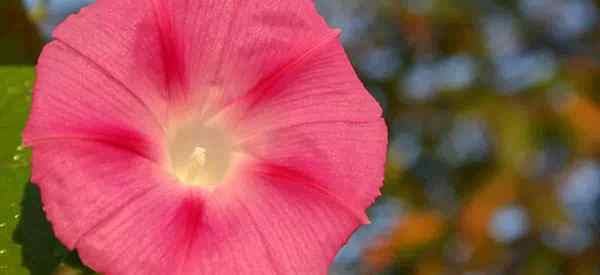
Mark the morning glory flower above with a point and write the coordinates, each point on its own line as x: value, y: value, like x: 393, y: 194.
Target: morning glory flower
x: 203, y: 137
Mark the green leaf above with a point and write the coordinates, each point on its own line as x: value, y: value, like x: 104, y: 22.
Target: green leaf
x: 27, y: 244
x: 15, y: 97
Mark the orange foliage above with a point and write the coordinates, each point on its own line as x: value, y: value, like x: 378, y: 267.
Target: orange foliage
x: 478, y: 211
x: 416, y: 229
x: 584, y: 115
x: 430, y: 266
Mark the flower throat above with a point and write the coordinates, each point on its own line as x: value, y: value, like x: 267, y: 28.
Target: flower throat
x: 199, y: 155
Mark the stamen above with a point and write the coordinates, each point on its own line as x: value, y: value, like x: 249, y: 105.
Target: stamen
x: 195, y: 166
x: 199, y: 156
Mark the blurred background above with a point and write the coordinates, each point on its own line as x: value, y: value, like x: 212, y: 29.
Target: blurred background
x: 494, y: 112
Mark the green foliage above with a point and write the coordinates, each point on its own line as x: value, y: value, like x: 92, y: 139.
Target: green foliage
x: 15, y: 86
x: 27, y: 244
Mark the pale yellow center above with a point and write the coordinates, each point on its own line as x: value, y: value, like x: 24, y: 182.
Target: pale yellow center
x: 200, y: 155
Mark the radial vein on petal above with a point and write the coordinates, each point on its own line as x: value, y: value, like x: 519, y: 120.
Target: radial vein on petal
x: 104, y: 141
x: 269, y: 80
x: 113, y: 213
x: 251, y: 137
x: 119, y: 82
x: 263, y: 238
x: 309, y: 182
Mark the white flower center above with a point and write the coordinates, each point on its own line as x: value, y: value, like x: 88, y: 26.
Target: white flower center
x: 200, y: 155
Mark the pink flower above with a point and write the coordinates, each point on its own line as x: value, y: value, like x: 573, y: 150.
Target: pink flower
x: 203, y: 137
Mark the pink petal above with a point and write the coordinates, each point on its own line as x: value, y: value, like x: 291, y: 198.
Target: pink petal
x: 262, y: 225
x: 84, y: 183
x: 319, y: 119
x: 122, y: 212
x: 76, y: 99
x: 245, y: 42
x: 319, y: 86
x: 149, y: 236
x: 342, y: 158
x: 269, y: 224
x: 126, y: 217
x: 121, y: 38
x: 181, y: 50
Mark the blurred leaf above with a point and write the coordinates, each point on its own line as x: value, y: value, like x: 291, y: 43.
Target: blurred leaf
x: 584, y: 115
x: 479, y: 209
x: 431, y: 265
x: 15, y: 85
x: 416, y: 231
x: 27, y: 244
x: 20, y: 40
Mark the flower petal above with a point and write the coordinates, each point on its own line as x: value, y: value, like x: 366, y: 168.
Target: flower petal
x: 192, y: 52
x: 269, y: 225
x: 318, y: 118
x: 264, y: 225
x: 75, y: 99
x: 245, y: 42
x: 84, y: 183
x: 125, y: 216
x: 122, y: 40
x: 344, y: 159
x: 149, y: 236
x: 321, y: 87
